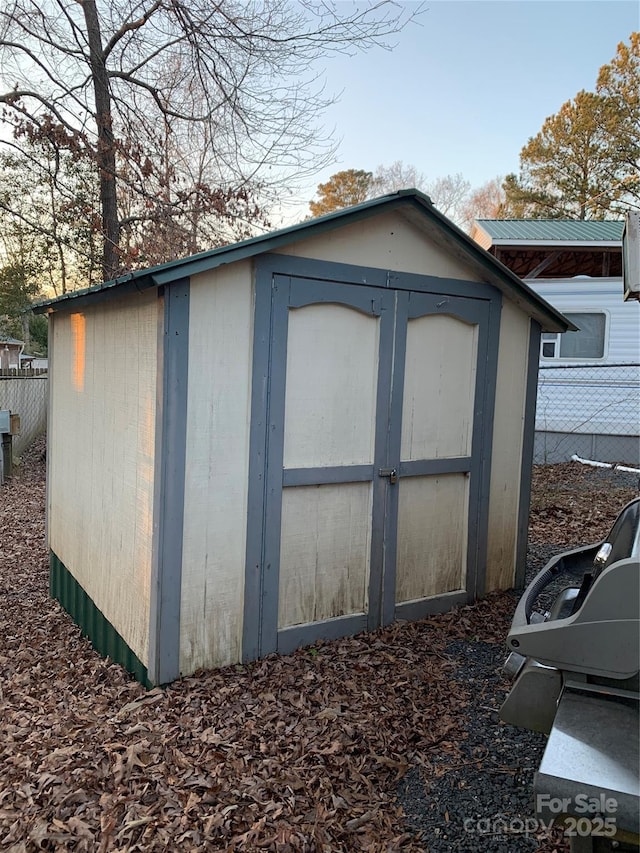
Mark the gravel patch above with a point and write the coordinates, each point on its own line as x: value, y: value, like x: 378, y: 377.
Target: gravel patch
x: 484, y: 801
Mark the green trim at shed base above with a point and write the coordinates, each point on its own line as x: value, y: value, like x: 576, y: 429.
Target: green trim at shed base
x: 101, y: 633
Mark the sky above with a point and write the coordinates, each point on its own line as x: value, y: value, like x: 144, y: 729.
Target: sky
x: 463, y: 90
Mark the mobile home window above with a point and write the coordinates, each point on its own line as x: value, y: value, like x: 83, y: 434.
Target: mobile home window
x: 588, y: 342
x: 549, y: 345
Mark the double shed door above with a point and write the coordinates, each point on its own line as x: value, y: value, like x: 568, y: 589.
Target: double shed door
x: 376, y: 440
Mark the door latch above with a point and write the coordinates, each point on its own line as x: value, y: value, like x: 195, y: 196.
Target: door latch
x: 391, y: 473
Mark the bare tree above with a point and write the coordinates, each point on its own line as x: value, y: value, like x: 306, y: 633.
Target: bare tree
x: 449, y: 194
x: 486, y: 202
x: 397, y: 176
x: 109, y: 82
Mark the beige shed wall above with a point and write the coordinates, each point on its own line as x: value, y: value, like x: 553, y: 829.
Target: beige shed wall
x: 387, y: 241
x: 101, y: 463
x: 508, y: 434
x: 217, y: 467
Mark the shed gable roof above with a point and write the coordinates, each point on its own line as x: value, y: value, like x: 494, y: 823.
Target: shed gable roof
x: 413, y: 204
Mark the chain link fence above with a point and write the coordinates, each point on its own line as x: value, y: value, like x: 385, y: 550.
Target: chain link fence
x: 590, y: 411
x: 26, y: 396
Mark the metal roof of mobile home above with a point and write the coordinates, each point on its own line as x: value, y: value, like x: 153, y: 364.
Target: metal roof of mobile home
x: 553, y: 230
x: 414, y: 205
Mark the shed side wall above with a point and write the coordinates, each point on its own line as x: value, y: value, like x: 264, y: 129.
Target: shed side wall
x: 215, y: 514
x: 506, y: 461
x: 103, y: 398
x: 389, y: 242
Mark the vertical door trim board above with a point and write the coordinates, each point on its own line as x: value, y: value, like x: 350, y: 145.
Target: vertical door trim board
x: 528, y: 441
x: 270, y: 588
x: 379, y: 493
x: 256, y: 498
x: 169, y: 483
x: 394, y: 446
x: 482, y: 447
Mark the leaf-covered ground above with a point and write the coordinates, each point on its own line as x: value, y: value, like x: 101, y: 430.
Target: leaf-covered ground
x: 574, y: 504
x: 301, y: 753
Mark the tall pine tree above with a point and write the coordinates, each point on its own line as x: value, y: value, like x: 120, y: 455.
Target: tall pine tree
x: 583, y: 164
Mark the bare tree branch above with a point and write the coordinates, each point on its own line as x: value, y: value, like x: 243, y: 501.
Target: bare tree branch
x: 192, y: 116
x: 128, y: 27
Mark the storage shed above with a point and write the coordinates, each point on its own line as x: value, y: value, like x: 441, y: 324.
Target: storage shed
x: 300, y: 436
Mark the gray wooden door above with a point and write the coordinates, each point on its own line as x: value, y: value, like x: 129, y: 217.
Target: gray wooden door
x: 375, y: 425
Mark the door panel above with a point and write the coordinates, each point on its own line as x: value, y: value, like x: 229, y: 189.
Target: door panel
x: 328, y: 458
x: 432, y: 536
x: 325, y: 551
x: 331, y: 381
x: 439, y: 388
x: 325, y: 386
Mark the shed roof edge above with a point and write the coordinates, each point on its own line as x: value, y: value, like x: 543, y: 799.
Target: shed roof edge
x: 498, y: 274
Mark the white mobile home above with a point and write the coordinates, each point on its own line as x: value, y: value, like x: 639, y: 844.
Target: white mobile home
x: 589, y: 383
x: 296, y: 437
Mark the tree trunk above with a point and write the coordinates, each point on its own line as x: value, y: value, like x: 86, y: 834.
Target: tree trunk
x: 106, y: 150
x: 26, y: 331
